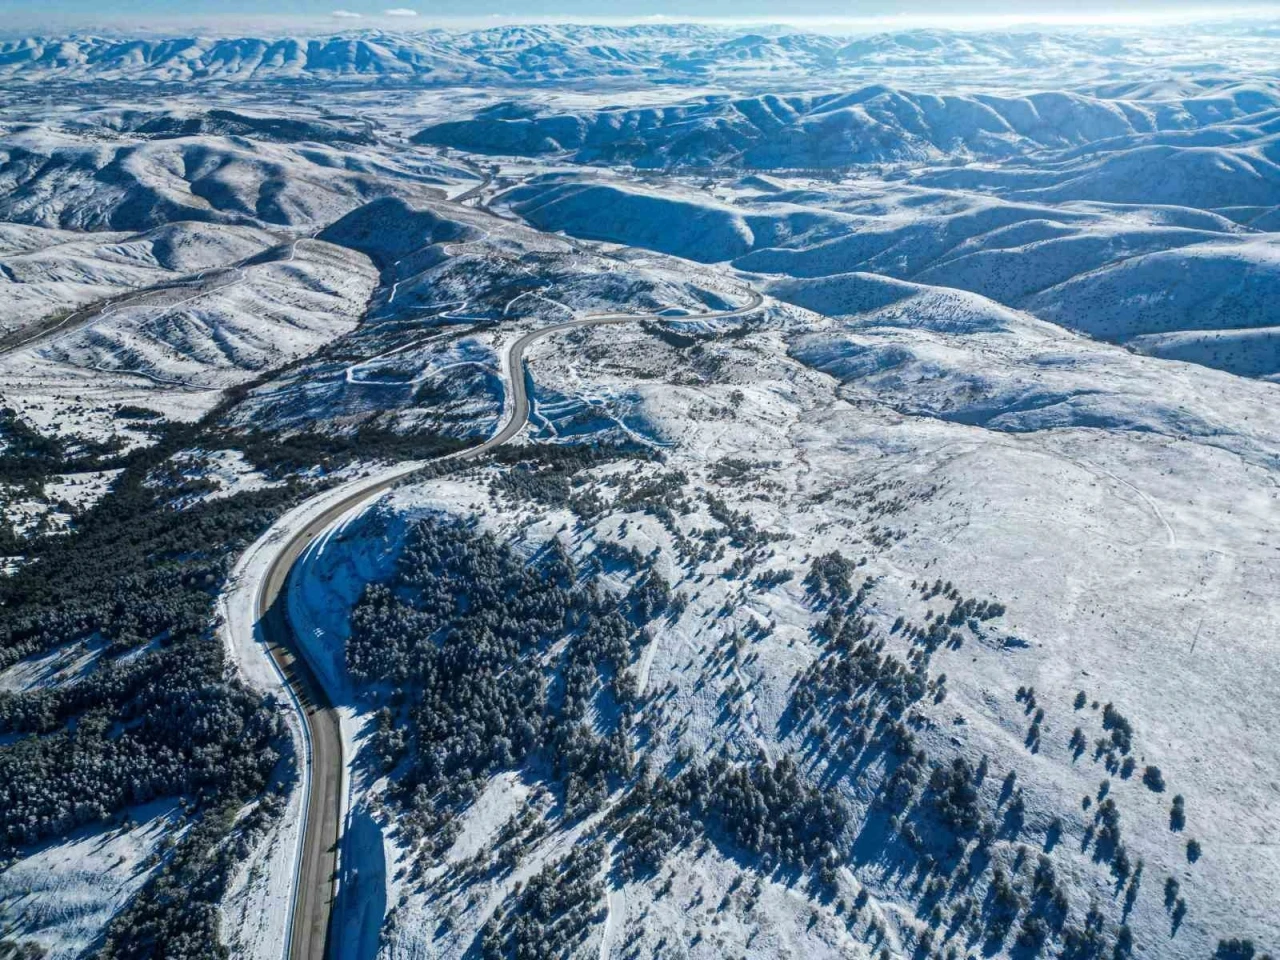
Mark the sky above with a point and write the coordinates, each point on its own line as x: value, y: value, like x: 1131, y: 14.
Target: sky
x: 234, y: 16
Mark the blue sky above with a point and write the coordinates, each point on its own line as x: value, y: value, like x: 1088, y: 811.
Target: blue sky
x: 337, y: 15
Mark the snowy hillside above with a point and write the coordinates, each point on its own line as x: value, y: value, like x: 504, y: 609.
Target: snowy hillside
x: 75, y: 180
x: 868, y: 125
x: 45, y: 272
x: 1149, y: 275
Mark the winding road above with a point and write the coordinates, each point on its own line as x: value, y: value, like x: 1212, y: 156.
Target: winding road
x: 316, y: 869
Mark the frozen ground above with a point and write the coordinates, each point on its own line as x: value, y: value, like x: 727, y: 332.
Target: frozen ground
x: 51, y: 669
x: 170, y: 353
x: 62, y: 895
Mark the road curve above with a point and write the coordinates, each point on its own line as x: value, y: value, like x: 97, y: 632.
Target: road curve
x: 316, y: 871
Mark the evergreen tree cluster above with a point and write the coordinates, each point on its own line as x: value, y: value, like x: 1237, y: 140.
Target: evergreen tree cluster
x: 552, y: 914
x: 162, y: 722
x: 157, y: 713
x: 763, y: 808
x: 494, y: 661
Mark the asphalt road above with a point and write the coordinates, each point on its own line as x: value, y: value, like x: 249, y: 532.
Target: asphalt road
x: 314, y: 894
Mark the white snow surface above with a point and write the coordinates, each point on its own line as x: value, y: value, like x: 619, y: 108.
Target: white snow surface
x: 61, y: 895
x: 79, y: 491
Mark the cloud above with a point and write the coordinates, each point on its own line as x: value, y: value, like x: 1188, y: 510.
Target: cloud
x: 346, y: 14
x: 400, y: 12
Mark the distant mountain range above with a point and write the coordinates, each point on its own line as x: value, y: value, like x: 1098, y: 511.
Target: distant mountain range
x: 875, y: 124
x: 514, y: 53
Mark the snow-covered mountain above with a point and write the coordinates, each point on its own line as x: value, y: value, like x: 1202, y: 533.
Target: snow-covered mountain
x: 1165, y: 279
x: 161, y: 168
x: 557, y: 52
x: 868, y: 125
x: 431, y: 56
